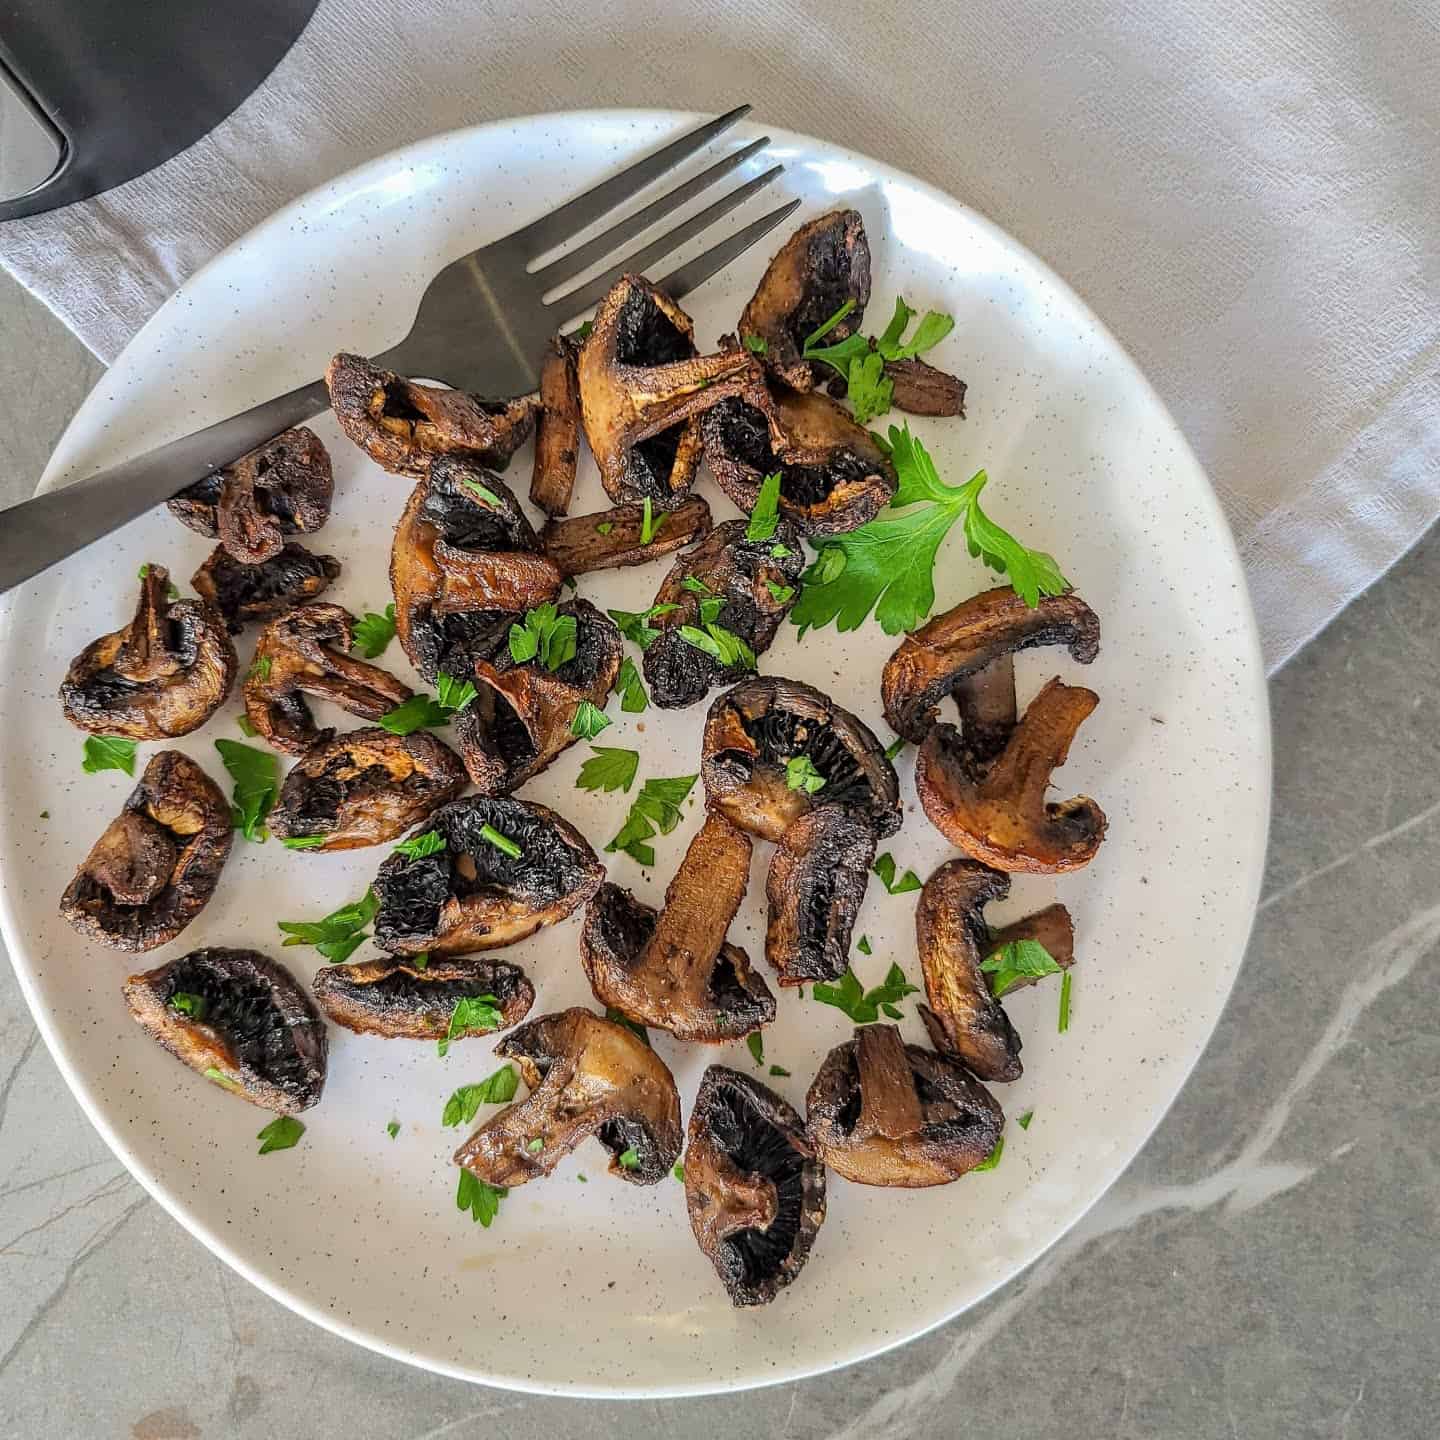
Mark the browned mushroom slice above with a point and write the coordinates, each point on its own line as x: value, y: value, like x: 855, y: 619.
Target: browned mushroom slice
x: 756, y: 728
x: 998, y: 812
x: 676, y: 971
x: 365, y: 787
x: 477, y: 893
x: 464, y: 566
x: 963, y: 1018
x: 921, y: 389
x: 817, y: 880
x: 833, y: 476
x: 557, y: 431
x: 241, y: 1020
x: 612, y: 537
x: 306, y: 653
x: 881, y: 1112
x: 642, y: 387
x: 1051, y: 927
x: 741, y: 586
x: 242, y: 593
x: 399, y: 1001
x: 158, y: 862
x: 162, y: 675
x: 956, y: 647
x: 586, y: 1076
x: 522, y: 715
x: 403, y: 426
x: 753, y: 1187
x: 823, y: 266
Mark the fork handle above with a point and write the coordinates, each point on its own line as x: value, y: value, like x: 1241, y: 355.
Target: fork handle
x: 48, y: 528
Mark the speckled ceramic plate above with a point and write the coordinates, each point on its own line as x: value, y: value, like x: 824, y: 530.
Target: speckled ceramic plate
x: 599, y: 1288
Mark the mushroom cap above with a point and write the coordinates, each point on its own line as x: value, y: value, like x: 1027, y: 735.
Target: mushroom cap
x: 577, y: 546
x: 365, y: 787
x: 162, y: 675
x: 258, y: 1028
x: 754, y: 1190
x: 586, y: 1076
x: 157, y: 863
x: 472, y: 895
x: 398, y: 1001
x: 759, y: 724
x: 242, y: 593
x: 881, y: 1112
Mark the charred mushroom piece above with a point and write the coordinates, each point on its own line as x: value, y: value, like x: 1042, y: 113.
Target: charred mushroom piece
x: 833, y: 476
x: 365, y: 787
x: 381, y: 997
x: 194, y: 507
x: 753, y: 1187
x: 817, y: 880
x: 755, y: 728
x: 743, y: 588
x: 997, y: 812
x: 464, y: 566
x: 676, y: 971
x: 921, y: 389
x: 957, y: 653
x: 557, y: 431
x: 521, y: 716
x: 824, y: 264
x: 612, y: 537
x: 239, y: 1019
x: 158, y: 862
x: 305, y: 652
x: 586, y: 1076
x: 474, y: 894
x: 163, y: 675
x: 242, y: 593
x: 642, y: 387
x: 403, y: 426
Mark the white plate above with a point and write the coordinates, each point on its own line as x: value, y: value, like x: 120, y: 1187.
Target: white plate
x: 599, y: 1289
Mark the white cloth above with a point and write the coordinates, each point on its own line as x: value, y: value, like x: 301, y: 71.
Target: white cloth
x: 1244, y: 190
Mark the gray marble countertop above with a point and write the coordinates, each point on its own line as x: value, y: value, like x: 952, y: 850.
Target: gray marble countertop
x: 1267, y: 1267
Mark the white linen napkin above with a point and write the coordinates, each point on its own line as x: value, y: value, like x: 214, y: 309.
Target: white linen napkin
x: 1244, y: 190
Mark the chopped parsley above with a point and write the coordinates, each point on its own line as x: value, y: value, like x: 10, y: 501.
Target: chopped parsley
x: 416, y: 713
x: 242, y: 721
x: 171, y: 593
x: 657, y: 805
x: 993, y: 1158
x: 756, y: 344
x: 679, y: 1171
x: 1064, y: 1023
x: 220, y: 1078
x: 780, y: 594
x: 635, y: 624
x: 864, y: 946
x: 755, y: 1044
x: 628, y: 1159
x: 608, y: 768
x: 259, y: 669
x: 649, y: 525
x: 393, y: 1129
x: 257, y: 783
x: 631, y: 689
x: 545, y: 634
x: 780, y: 1070
x: 339, y: 934
x: 535, y: 1146
x: 588, y: 720
x: 801, y: 774
x: 417, y: 847
x: 893, y: 749
x: 483, y: 492
x: 496, y: 1089
x: 765, y: 515
x: 374, y: 632
x: 453, y: 695
x: 884, y: 867
x: 480, y: 1199
x: 108, y: 752
x: 188, y: 1004
x: 864, y: 1006
x: 1015, y: 962
x: 583, y: 333
x: 1024, y: 1121
x: 604, y: 527
x: 282, y: 1133
x: 503, y: 843
x: 722, y: 645
x: 303, y: 842
x: 473, y: 1013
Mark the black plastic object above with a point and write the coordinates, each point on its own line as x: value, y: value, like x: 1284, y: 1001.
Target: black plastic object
x: 129, y: 83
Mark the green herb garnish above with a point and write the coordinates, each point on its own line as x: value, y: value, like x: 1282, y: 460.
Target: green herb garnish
x: 765, y: 515
x: 474, y: 1013
x: 884, y: 867
x: 608, y: 768
x: 628, y: 1159
x: 1024, y: 1121
x: 188, y: 1004
x: 339, y: 934
x: 993, y: 1158
x: 108, y: 752
x: 634, y: 624
x: 657, y: 805
x: 633, y: 1026
x: 864, y: 1006
x: 1015, y: 962
x: 374, y: 632
x: 755, y: 1044
x: 303, y: 842
x: 894, y: 748
x: 604, y: 527
x: 756, y: 344
x: 453, y: 695
x: 495, y: 1089
x: 722, y: 645
x: 631, y: 689
x: 414, y: 714
x: 864, y: 946
x: 393, y: 1129
x: 259, y: 669
x: 649, y: 525
x: 282, y: 1133
x: 220, y: 1078
x: 679, y: 1171
x: 780, y: 594
x: 545, y: 634
x: 242, y: 722
x: 480, y: 1199
x: 780, y: 1070
x: 801, y: 774
x: 484, y: 493
x: 588, y: 720
x: 417, y: 847
x: 257, y: 783
x: 1064, y: 1024
x: 503, y: 843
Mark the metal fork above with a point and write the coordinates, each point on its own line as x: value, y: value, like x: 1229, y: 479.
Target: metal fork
x: 482, y: 326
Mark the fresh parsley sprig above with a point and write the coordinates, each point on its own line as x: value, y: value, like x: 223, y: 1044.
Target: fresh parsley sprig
x: 257, y: 784
x: 480, y: 1199
x: 282, y: 1133
x: 495, y: 1089
x: 608, y: 768
x: 472, y: 1015
x: 656, y: 806
x: 374, y: 632
x: 885, y: 867
x: 724, y: 646
x: 1016, y: 962
x: 339, y: 934
x: 631, y: 689
x: 635, y: 625
x: 422, y: 711
x: 588, y: 720
x: 544, y: 634
x: 865, y: 1006
x: 108, y: 752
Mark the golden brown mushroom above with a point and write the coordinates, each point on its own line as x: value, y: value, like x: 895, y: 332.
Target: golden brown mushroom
x: 612, y: 537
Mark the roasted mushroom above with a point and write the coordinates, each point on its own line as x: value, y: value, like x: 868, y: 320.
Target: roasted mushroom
x: 365, y: 787
x: 753, y: 1187
x: 306, y: 653
x: 403, y: 426
x: 997, y: 811
x: 241, y: 1020
x: 507, y: 868
x: 921, y: 389
x: 957, y: 653
x: 157, y: 863
x: 833, y: 476
x: 823, y: 266
x: 741, y: 587
x: 162, y: 675
x: 881, y: 1112
x: 399, y: 1001
x: 464, y: 566
x: 642, y: 387
x: 817, y: 880
x: 242, y: 593
x: 755, y: 728
x: 282, y: 488
x: 676, y: 971
x: 522, y: 715
x: 586, y: 1076
x: 557, y: 431
x: 612, y: 537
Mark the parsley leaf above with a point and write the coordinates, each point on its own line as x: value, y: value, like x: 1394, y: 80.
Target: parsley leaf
x: 633, y: 1026
x: 895, y: 747
x: 779, y: 593
x: 1064, y: 1024
x: 496, y: 1089
x: 242, y: 721
x: 657, y: 804
x: 259, y: 668
x: 864, y: 1006
x: 756, y: 344
x: 473, y: 1014
x: 722, y: 645
x: 588, y: 720
x: 993, y: 1158
x: 608, y: 768
x: 780, y: 552
x: 419, y: 960
x: 303, y: 842
x: 417, y: 847
x: 604, y: 527
x: 188, y: 1004
x: 416, y: 713
x: 257, y: 783
x: 503, y: 843
x: 374, y: 632
x: 393, y: 1129
x: 780, y: 1070
x: 339, y: 934
x: 634, y: 624
x: 453, y: 695
x: 108, y: 752
x: 864, y: 946
x: 282, y: 1133
x: 483, y: 492
x: 679, y: 1171
x: 1015, y: 962
x: 583, y: 333
x: 755, y: 1044
x: 220, y: 1078
x: 628, y: 1159
x: 480, y: 1199
x: 545, y: 634
x: 870, y: 389
x: 884, y: 867
x: 765, y: 516
x: 1024, y: 1121
x: 801, y: 774
x: 631, y: 689
x: 649, y: 525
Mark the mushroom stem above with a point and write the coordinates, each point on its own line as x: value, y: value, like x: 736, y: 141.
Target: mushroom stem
x: 145, y: 655
x: 889, y: 1102
x: 557, y: 431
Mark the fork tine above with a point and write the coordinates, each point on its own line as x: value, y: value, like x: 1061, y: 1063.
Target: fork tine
x: 578, y: 261
x: 574, y: 215
x: 592, y: 293
x: 679, y: 283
